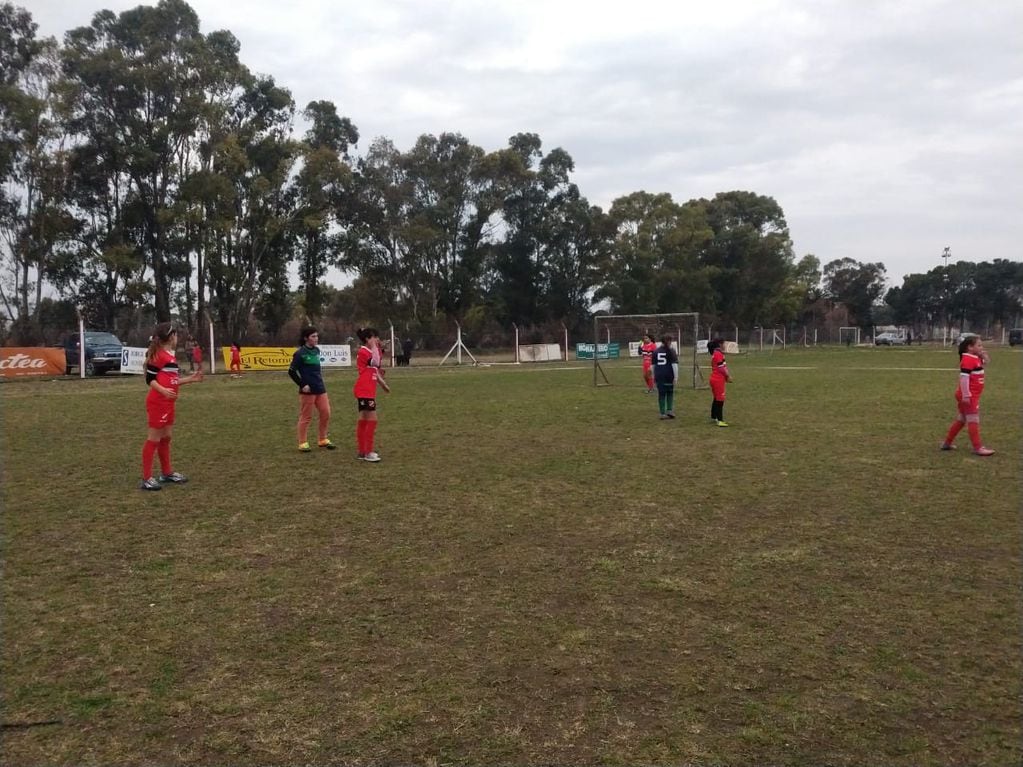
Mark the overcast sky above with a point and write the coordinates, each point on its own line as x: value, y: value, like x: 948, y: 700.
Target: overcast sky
x: 885, y: 130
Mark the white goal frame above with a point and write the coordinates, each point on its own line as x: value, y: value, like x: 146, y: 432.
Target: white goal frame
x: 675, y: 322
x: 856, y: 337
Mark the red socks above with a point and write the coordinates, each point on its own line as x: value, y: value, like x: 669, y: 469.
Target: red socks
x: 953, y: 431
x: 148, y: 451
x: 974, y: 430
x: 364, y: 431
x: 164, y: 452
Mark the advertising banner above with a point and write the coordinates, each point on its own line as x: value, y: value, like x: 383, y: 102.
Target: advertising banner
x: 604, y: 351
x: 133, y: 360
x: 336, y: 356
x: 279, y: 357
x: 539, y: 352
x: 20, y: 361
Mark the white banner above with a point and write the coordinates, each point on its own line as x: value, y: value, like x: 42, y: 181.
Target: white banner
x: 336, y: 356
x: 539, y: 352
x: 634, y: 349
x: 133, y: 360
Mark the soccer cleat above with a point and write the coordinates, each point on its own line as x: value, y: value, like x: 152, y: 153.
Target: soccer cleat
x: 150, y: 484
x: 360, y: 456
x: 983, y: 451
x: 327, y: 444
x: 946, y: 446
x: 722, y: 424
x: 174, y: 478
x: 304, y: 447
x: 371, y: 457
x: 671, y: 414
x: 663, y: 417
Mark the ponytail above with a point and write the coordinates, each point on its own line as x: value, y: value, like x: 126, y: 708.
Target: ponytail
x: 161, y: 335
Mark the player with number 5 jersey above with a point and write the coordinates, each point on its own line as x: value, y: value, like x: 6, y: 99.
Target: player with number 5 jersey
x: 666, y: 376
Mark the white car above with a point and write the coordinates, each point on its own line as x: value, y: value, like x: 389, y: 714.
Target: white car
x: 889, y: 339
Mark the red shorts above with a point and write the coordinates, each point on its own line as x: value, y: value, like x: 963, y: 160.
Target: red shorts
x: 160, y: 412
x: 970, y: 407
x: 717, y: 388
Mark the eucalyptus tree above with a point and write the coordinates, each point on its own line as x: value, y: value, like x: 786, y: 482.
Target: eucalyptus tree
x: 251, y: 202
x: 751, y: 254
x: 141, y: 81
x: 444, y: 172
x: 654, y: 262
x: 421, y: 222
x: 545, y: 264
x: 381, y: 242
x: 322, y: 189
x: 33, y: 163
x: 858, y: 286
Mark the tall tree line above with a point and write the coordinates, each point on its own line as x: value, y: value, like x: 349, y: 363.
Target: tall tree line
x: 148, y: 174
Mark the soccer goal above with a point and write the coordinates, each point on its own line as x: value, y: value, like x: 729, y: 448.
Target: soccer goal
x: 849, y: 336
x: 617, y: 337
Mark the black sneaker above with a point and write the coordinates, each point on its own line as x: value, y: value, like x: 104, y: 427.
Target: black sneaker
x: 150, y: 484
x: 174, y: 478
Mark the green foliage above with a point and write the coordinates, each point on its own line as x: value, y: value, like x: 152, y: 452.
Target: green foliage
x: 858, y: 286
x: 148, y: 172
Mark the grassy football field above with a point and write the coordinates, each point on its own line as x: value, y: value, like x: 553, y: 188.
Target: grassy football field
x: 537, y: 572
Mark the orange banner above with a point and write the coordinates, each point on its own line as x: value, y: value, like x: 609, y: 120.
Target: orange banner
x: 18, y: 361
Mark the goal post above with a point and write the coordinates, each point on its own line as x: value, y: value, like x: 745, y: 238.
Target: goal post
x: 617, y: 337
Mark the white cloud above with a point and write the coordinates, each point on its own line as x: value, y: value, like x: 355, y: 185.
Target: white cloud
x: 885, y: 130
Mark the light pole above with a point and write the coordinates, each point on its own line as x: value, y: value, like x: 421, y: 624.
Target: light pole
x: 946, y: 255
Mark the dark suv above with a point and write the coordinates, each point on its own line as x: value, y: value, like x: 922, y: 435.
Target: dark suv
x: 102, y: 353
x: 1015, y: 336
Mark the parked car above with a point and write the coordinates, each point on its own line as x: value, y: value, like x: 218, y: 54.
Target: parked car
x: 889, y: 339
x: 1015, y: 336
x: 102, y: 353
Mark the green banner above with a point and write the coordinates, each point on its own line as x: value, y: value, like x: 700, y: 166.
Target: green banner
x: 604, y: 351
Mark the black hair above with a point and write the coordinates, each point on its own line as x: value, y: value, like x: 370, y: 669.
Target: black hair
x: 365, y: 334
x: 666, y: 339
x: 307, y: 331
x: 966, y: 343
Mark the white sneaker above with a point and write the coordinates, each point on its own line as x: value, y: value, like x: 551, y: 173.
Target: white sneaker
x: 371, y: 457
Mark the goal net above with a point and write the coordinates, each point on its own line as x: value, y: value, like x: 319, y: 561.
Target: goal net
x: 616, y: 341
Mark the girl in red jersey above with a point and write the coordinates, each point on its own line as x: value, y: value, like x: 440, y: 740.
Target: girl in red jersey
x: 236, y: 360
x: 367, y: 361
x: 646, y: 349
x: 163, y: 377
x: 719, y: 376
x: 972, y: 359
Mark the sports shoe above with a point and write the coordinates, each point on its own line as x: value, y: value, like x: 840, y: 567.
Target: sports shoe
x: 983, y: 451
x: 360, y: 456
x: 722, y: 424
x: 371, y: 457
x: 671, y: 414
x: 663, y: 417
x: 304, y: 447
x: 946, y: 446
x: 327, y: 444
x: 150, y: 484
x: 174, y: 478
